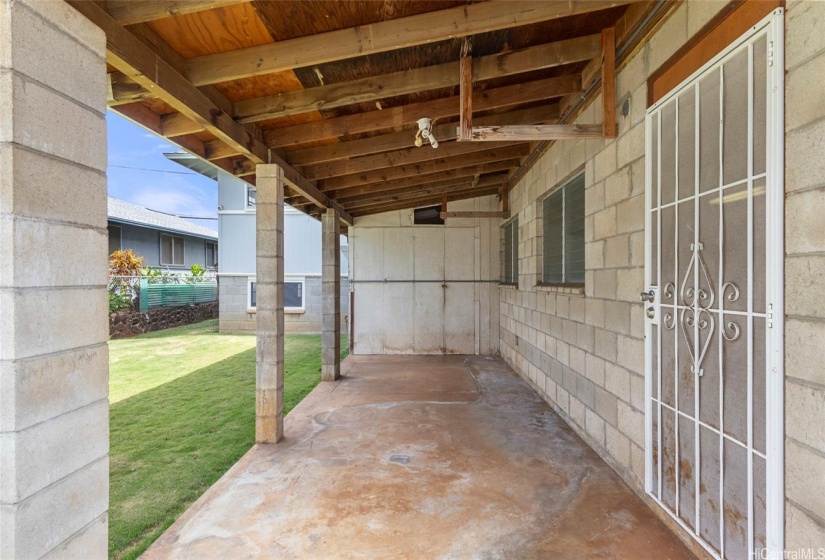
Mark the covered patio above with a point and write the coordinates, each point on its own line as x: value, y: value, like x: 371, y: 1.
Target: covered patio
x: 421, y: 457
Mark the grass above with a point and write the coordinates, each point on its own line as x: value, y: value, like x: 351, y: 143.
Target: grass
x: 182, y: 413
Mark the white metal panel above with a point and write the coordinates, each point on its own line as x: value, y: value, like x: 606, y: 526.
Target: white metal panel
x: 429, y: 253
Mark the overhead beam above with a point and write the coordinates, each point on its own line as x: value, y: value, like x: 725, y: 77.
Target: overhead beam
x: 530, y: 133
x: 381, y: 37
x: 423, y: 190
x: 396, y: 158
x: 451, y: 177
x: 465, y: 75
x: 609, y: 82
x: 425, y: 201
x: 416, y: 194
x: 445, y: 107
x: 124, y: 90
x: 477, y: 214
x: 425, y: 167
x: 439, y: 76
x: 128, y: 12
x: 131, y: 56
x: 406, y: 138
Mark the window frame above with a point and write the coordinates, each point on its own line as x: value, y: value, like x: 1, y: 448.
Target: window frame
x: 297, y: 280
x: 109, y: 228
x: 505, y: 281
x: 287, y: 280
x: 183, y: 250
x: 561, y: 188
x: 215, y: 253
x: 247, y: 206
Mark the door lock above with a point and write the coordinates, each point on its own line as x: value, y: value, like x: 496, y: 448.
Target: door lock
x: 649, y: 297
x: 650, y: 312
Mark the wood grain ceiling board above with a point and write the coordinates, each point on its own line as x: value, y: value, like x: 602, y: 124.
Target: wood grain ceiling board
x: 229, y: 28
x: 288, y: 20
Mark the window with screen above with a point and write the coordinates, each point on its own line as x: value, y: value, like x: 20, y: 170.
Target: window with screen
x: 509, y: 236
x: 253, y: 294
x: 171, y: 250
x: 114, y: 238
x: 563, y: 234
x: 293, y: 295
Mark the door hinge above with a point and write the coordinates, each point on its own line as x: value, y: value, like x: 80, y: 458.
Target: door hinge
x: 770, y: 54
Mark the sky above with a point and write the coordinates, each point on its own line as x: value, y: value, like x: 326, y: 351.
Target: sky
x: 168, y: 187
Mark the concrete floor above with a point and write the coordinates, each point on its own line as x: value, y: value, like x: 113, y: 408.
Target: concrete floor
x: 421, y: 457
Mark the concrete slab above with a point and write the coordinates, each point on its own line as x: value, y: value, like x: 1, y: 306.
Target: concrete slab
x: 421, y: 457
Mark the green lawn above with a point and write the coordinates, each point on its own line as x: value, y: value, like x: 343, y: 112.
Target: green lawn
x: 182, y: 413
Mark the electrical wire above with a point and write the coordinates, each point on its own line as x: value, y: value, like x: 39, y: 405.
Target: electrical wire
x: 156, y: 170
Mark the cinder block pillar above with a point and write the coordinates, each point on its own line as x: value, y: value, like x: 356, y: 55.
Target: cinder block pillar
x: 54, y: 366
x: 331, y: 295
x: 269, y: 278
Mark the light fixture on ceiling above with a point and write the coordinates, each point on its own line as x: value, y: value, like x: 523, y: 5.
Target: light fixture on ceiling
x: 425, y: 132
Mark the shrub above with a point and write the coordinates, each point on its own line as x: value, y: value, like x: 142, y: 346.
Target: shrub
x: 125, y: 263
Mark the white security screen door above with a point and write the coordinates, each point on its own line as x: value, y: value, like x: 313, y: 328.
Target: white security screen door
x: 714, y: 418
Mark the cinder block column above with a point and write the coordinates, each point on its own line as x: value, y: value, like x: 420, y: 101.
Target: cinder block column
x: 269, y: 275
x: 331, y: 295
x: 54, y: 367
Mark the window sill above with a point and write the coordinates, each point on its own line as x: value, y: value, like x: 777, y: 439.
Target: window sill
x: 575, y: 289
x: 508, y: 285
x: 294, y: 311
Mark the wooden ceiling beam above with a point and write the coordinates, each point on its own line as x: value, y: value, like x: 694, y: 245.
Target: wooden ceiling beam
x: 425, y: 201
x: 373, y: 88
x: 129, y: 12
x: 609, y: 83
x: 418, y: 194
x: 382, y: 37
x: 135, y: 59
x: 531, y: 133
x: 448, y: 178
x: 406, y: 138
x: 423, y: 168
x: 408, y: 114
x: 397, y: 158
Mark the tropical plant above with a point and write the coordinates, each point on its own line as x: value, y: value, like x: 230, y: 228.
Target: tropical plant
x: 120, y: 299
x: 125, y: 263
x: 196, y: 274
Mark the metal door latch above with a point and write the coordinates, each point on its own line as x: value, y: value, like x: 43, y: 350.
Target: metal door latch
x: 648, y: 297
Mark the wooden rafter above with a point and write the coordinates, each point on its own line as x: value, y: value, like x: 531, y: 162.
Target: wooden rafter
x: 528, y: 133
x: 131, y: 56
x: 476, y: 214
x: 427, y: 192
x: 406, y: 138
x: 423, y: 201
x: 451, y: 177
x: 381, y: 37
x: 441, y: 165
x: 609, y: 82
x: 396, y: 158
x: 445, y: 107
x: 540, y: 57
x: 128, y: 12
x: 465, y: 76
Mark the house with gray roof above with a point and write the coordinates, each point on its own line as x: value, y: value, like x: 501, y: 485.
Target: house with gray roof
x: 164, y: 240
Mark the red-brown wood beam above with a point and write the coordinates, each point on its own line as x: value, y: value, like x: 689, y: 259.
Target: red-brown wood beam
x: 609, y: 83
x: 465, y: 109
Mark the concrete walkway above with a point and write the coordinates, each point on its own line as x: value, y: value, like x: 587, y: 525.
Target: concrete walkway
x: 421, y: 457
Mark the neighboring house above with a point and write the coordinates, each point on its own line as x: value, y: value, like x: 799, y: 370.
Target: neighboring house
x: 163, y: 240
x: 302, y: 258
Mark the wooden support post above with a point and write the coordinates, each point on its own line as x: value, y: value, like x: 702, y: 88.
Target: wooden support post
x: 443, y: 202
x: 465, y: 128
x: 609, y: 82
x: 505, y: 200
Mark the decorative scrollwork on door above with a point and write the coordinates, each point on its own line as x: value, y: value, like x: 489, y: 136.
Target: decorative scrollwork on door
x: 697, y: 317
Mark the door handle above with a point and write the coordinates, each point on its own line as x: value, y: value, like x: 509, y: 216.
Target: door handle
x: 649, y: 297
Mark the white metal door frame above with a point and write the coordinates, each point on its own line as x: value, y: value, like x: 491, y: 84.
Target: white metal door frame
x: 773, y: 27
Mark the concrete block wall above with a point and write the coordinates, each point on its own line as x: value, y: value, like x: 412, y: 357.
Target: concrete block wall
x: 584, y: 352
x: 403, y: 304
x: 235, y: 317
x: 54, y: 467
x: 804, y: 274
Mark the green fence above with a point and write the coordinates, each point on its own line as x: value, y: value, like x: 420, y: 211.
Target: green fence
x: 175, y: 295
